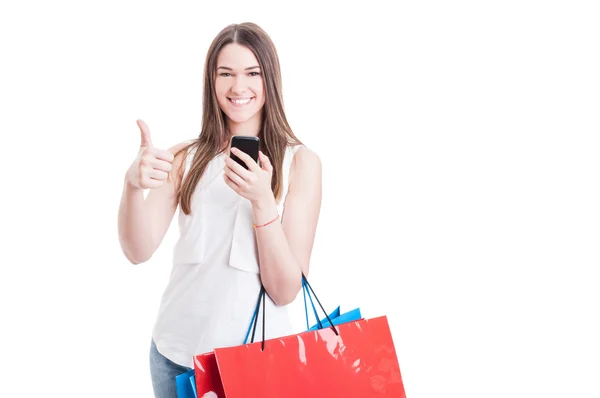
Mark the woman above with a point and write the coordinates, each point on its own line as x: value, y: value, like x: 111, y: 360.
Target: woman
x: 233, y: 233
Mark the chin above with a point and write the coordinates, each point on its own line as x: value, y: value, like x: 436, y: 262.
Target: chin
x: 240, y: 118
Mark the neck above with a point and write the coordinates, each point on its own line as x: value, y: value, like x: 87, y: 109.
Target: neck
x: 249, y: 128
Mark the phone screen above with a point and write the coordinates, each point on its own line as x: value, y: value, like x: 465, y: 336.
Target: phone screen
x: 248, y: 145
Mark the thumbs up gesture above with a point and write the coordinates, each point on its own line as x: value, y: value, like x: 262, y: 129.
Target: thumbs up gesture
x: 151, y: 167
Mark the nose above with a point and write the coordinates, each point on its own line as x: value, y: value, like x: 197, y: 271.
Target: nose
x: 238, y: 87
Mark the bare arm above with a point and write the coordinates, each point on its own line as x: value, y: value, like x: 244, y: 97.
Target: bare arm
x: 143, y: 223
x: 285, y: 248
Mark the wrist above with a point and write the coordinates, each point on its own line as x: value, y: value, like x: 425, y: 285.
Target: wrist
x: 265, y: 204
x: 129, y: 186
x: 264, y: 210
x: 267, y: 223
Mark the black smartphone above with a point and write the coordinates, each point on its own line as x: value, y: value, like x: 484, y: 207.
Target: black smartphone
x: 245, y: 144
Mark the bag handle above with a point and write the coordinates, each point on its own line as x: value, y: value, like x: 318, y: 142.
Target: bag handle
x: 261, y: 297
x: 304, y: 292
x: 320, y: 305
x: 252, y: 321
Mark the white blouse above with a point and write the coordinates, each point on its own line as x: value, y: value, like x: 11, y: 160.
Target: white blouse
x: 214, y: 283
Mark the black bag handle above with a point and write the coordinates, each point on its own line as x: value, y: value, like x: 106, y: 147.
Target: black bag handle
x: 261, y: 297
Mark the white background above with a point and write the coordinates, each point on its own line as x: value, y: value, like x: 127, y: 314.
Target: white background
x: 459, y: 143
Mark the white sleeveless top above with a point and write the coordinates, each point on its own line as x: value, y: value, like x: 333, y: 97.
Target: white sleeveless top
x: 214, y: 283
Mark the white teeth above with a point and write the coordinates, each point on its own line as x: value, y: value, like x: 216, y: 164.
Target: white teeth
x: 240, y: 101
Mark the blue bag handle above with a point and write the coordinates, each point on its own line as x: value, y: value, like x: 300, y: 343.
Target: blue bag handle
x: 304, y: 292
x: 260, y: 296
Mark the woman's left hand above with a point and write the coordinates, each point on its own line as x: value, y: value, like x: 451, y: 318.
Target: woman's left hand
x: 253, y: 184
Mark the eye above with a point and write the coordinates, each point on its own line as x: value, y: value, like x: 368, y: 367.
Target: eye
x: 254, y: 73
x: 225, y: 74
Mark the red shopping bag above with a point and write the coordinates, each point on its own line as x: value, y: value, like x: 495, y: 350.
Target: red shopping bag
x: 360, y: 361
x: 206, y: 374
x: 355, y: 359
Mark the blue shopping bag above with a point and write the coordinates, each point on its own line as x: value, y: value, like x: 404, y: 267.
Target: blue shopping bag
x: 186, y: 385
x: 349, y: 316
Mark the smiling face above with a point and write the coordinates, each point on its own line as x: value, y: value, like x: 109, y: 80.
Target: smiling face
x: 239, y: 89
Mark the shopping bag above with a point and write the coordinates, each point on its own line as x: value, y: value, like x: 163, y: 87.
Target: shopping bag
x: 359, y: 361
x: 192, y: 381
x: 349, y: 316
x: 352, y: 357
x: 206, y: 376
x: 184, y: 387
x: 206, y: 373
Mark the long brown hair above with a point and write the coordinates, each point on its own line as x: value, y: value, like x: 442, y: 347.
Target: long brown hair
x: 275, y: 133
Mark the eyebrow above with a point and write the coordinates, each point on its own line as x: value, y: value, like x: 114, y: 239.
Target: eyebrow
x: 248, y: 68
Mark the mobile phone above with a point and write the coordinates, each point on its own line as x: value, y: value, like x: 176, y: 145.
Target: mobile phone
x: 245, y: 144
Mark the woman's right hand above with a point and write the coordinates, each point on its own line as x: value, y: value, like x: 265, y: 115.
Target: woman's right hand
x: 151, y: 167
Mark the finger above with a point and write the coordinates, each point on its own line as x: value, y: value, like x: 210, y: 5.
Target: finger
x: 239, y: 181
x: 146, y: 140
x: 265, y: 162
x: 230, y: 183
x: 161, y: 165
x: 237, y: 168
x: 246, y: 159
x: 161, y: 154
x: 158, y: 175
x: 152, y: 183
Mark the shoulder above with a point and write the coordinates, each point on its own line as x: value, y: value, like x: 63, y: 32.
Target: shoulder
x: 306, y: 165
x: 183, y: 148
x: 306, y: 158
x: 180, y: 153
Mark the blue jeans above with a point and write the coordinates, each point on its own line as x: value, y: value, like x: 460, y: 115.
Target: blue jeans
x: 163, y: 372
